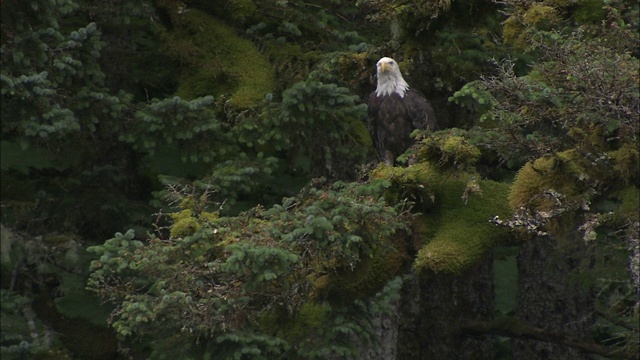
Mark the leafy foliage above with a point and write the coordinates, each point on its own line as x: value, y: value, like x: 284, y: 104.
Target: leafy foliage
x: 236, y: 270
x: 109, y: 106
x: 41, y: 282
x: 186, y: 123
x: 16, y: 318
x: 333, y: 137
x: 54, y: 94
x: 573, y: 120
x: 534, y: 108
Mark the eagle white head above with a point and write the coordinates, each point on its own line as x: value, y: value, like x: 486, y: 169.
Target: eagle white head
x: 390, y: 78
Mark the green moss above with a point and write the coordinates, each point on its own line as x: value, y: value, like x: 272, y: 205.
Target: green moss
x: 444, y: 256
x: 544, y: 15
x: 574, y: 176
x: 626, y: 161
x: 597, y: 138
x: 423, y: 228
x: 558, y: 174
x: 216, y: 60
x: 562, y: 174
x: 629, y: 198
x: 541, y: 15
x: 191, y: 218
x: 184, y: 224
x: 415, y: 183
x: 458, y: 146
x: 464, y: 233
x: 299, y: 327
x: 514, y: 33
x: 369, y: 276
x: 451, y: 150
x: 547, y: 173
x: 424, y: 173
x: 592, y: 138
x: 455, y: 228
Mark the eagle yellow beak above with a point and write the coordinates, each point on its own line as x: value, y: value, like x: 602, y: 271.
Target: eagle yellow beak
x: 384, y: 67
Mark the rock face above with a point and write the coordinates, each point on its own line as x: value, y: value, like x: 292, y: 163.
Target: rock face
x: 548, y: 299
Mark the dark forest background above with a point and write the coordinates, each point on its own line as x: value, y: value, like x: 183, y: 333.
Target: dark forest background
x: 195, y: 180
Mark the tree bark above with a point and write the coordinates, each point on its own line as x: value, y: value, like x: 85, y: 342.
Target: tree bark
x: 426, y: 322
x: 431, y: 308
x: 549, y: 298
x: 448, y: 300
x: 384, y: 344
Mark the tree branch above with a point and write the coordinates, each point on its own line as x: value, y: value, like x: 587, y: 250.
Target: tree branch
x: 515, y: 328
x: 616, y: 321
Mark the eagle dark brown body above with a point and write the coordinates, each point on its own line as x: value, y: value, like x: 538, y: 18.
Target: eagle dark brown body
x: 395, y: 111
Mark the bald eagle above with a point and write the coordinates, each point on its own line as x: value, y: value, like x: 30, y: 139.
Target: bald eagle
x: 395, y: 110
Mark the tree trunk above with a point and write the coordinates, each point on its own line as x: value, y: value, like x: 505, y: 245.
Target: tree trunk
x: 384, y: 344
x: 448, y: 301
x: 550, y: 298
x: 426, y: 323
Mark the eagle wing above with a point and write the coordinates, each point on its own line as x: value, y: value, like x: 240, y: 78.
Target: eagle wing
x: 372, y: 122
x: 391, y: 119
x: 420, y: 111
